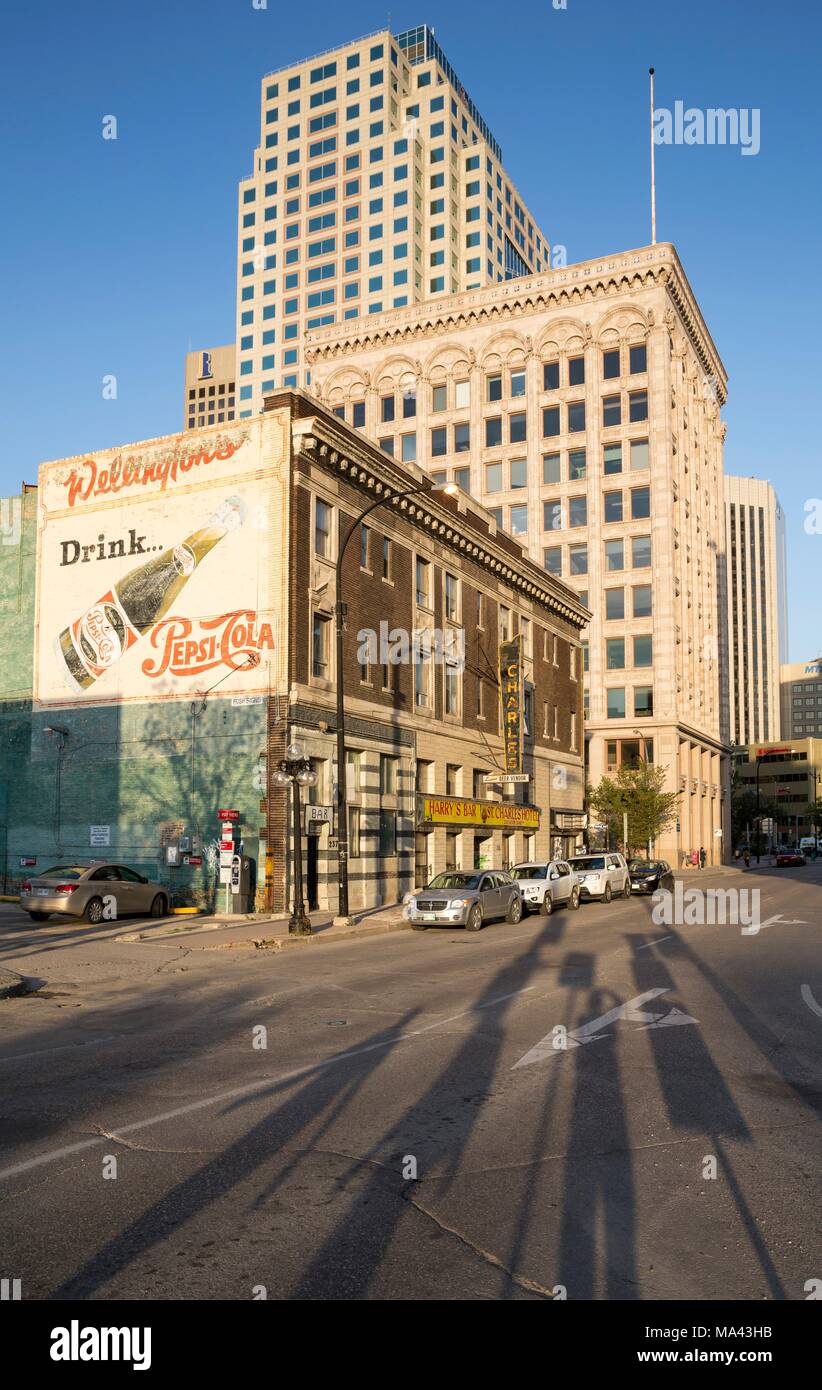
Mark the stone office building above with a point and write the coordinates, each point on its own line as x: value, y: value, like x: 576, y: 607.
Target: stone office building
x: 174, y: 634
x: 581, y: 407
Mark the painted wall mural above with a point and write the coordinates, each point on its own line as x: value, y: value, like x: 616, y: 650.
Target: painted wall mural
x: 163, y: 566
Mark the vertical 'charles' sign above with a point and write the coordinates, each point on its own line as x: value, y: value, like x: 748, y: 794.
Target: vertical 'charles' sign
x: 510, y: 684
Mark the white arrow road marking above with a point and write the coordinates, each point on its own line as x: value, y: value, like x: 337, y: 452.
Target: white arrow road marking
x: 807, y: 995
x: 592, y: 1032
x: 669, y: 1021
x: 777, y: 920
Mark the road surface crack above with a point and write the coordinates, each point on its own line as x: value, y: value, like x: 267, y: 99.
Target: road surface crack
x: 519, y: 1279
x: 143, y: 1148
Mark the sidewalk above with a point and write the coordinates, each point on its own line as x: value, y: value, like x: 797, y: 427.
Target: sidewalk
x: 260, y: 933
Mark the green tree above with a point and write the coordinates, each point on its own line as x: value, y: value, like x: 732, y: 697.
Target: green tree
x: 637, y: 791
x: 813, y: 814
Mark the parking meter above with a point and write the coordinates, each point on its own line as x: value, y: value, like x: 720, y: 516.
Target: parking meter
x: 240, y: 883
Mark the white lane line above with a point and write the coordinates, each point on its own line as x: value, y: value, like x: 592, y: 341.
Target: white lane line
x: 64, y: 1047
x: 252, y: 1086
x: 669, y: 937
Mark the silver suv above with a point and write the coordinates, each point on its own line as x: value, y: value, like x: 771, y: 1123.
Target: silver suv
x: 602, y: 875
x: 547, y: 885
x: 468, y: 898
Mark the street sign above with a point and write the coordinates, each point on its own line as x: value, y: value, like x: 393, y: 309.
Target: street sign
x: 193, y: 859
x: 227, y: 844
x: 99, y: 834
x: 225, y: 873
x: 27, y: 861
x: 506, y: 778
x: 226, y: 856
x: 228, y: 815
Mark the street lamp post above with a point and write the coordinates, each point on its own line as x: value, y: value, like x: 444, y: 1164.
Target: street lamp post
x: 641, y: 736
x: 756, y: 818
x: 340, y: 610
x: 295, y: 769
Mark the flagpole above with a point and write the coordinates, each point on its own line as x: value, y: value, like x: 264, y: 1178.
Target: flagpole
x: 653, y: 176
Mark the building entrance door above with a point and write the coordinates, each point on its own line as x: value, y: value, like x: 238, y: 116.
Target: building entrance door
x: 312, y: 871
x: 422, y: 868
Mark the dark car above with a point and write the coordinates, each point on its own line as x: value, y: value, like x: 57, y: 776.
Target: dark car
x: 647, y: 875
x: 790, y: 859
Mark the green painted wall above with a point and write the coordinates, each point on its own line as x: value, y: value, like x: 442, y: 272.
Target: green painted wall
x: 18, y: 549
x: 149, y: 771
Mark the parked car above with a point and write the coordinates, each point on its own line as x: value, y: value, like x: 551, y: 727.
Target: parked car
x: 647, y: 875
x: 465, y: 898
x: 545, y: 886
x: 79, y: 890
x: 789, y: 859
x: 602, y: 875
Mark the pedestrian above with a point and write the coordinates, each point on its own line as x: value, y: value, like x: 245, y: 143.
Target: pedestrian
x: 703, y: 855
x: 694, y: 858
x: 747, y: 857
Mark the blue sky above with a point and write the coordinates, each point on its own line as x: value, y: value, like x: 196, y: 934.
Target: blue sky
x: 119, y: 256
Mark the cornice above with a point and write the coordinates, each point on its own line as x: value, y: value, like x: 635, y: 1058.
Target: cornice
x: 370, y: 471
x: 569, y: 288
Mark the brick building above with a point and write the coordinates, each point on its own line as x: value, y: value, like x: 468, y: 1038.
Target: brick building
x: 180, y: 635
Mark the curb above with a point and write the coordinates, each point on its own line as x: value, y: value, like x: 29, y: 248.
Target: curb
x: 12, y: 984
x: 317, y: 938
x: 272, y: 943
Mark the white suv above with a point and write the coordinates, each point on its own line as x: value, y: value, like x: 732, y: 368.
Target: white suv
x: 602, y: 875
x: 546, y: 885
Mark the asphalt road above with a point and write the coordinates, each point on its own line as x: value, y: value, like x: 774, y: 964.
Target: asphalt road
x: 410, y: 1131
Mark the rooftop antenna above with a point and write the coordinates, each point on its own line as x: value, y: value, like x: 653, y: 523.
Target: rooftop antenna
x: 653, y: 176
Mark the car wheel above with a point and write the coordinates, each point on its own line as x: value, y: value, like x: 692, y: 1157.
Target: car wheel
x: 547, y: 904
x: 159, y: 908
x: 474, y: 922
x: 514, y: 913
x: 573, y: 901
x: 607, y: 895
x: 39, y: 916
x: 626, y: 892
x: 94, y: 911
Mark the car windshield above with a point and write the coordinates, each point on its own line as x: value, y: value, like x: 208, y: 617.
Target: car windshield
x: 455, y: 881
x: 529, y: 870
x: 73, y: 872
x: 591, y: 861
x: 641, y: 866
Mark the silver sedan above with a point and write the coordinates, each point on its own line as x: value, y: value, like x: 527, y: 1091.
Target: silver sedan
x: 95, y: 892
x: 470, y: 899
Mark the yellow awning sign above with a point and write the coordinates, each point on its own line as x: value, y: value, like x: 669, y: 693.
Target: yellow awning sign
x: 490, y: 815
